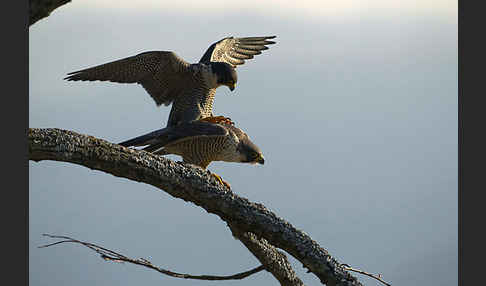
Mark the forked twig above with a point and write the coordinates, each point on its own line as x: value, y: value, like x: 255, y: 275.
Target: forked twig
x: 375, y: 276
x: 110, y: 255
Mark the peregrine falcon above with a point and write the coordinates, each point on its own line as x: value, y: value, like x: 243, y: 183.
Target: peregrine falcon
x: 169, y: 79
x: 201, y: 142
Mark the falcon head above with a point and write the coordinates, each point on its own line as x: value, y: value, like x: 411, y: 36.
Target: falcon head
x: 225, y: 74
x: 249, y: 152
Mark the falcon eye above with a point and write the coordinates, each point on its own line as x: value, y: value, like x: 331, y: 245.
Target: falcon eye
x: 254, y: 155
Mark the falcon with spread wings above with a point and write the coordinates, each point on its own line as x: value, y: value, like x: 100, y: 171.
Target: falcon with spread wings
x: 169, y: 79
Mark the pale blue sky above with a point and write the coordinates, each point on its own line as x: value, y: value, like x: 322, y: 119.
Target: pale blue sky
x: 355, y: 109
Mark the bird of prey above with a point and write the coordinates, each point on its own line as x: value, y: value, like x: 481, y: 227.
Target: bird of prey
x: 169, y: 79
x: 201, y: 142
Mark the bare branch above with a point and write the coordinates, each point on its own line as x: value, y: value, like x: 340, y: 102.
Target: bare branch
x: 39, y: 9
x: 110, y: 255
x: 190, y: 184
x: 376, y: 276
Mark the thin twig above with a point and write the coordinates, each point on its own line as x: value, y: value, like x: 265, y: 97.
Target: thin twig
x: 110, y: 255
x: 376, y: 276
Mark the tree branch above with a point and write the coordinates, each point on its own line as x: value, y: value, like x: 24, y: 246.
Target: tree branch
x: 110, y: 255
x: 190, y: 184
x: 375, y: 276
x: 275, y: 261
x: 39, y: 9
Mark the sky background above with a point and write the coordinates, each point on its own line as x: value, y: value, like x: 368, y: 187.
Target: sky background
x: 354, y: 108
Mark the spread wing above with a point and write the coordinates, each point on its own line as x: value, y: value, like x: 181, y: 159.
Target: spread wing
x: 176, y: 134
x: 235, y: 51
x: 163, y: 74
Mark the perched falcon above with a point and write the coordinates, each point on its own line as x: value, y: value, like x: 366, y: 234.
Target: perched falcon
x: 201, y: 142
x: 170, y: 79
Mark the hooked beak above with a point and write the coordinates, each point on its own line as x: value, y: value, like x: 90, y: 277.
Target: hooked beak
x: 261, y: 160
x: 232, y: 86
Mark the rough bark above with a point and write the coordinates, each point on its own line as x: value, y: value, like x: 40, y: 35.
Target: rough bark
x: 39, y: 9
x: 190, y: 184
x: 275, y: 261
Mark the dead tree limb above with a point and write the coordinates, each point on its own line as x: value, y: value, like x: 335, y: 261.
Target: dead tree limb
x: 275, y: 261
x: 375, y: 276
x: 39, y: 9
x: 110, y: 255
x: 190, y: 184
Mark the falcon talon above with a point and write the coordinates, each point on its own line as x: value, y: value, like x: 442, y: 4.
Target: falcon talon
x: 218, y: 120
x: 220, y: 180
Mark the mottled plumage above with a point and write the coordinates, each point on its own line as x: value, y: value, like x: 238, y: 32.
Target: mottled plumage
x: 200, y: 143
x: 170, y: 79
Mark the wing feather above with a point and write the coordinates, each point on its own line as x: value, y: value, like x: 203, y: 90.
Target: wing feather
x: 235, y: 51
x: 186, y: 131
x: 248, y: 51
x: 253, y: 47
x: 163, y: 74
x: 196, y: 128
x: 172, y: 135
